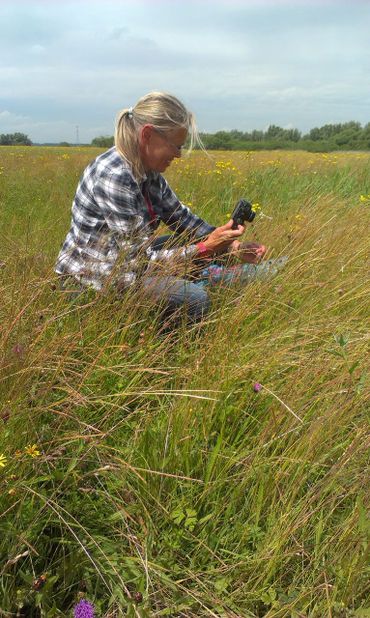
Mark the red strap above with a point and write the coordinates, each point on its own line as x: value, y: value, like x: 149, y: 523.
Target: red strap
x: 149, y: 204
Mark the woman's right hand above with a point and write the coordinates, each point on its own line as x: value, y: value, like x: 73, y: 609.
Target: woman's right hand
x: 221, y: 238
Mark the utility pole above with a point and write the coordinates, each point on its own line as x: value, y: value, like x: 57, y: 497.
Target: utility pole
x: 77, y: 136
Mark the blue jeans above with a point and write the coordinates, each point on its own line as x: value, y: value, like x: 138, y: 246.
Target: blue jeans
x: 176, y: 293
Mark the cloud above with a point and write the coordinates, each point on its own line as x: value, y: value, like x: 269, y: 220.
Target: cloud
x: 236, y: 64
x: 10, y: 120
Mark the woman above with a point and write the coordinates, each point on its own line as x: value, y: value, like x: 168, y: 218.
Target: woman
x: 120, y: 201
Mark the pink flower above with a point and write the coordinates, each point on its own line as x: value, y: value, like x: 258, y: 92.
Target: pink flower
x: 257, y: 387
x: 18, y: 349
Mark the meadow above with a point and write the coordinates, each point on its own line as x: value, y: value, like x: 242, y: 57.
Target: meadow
x: 149, y: 474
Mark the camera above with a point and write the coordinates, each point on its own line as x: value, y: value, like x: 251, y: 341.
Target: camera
x: 243, y: 211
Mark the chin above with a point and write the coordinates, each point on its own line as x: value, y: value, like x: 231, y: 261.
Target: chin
x: 163, y: 167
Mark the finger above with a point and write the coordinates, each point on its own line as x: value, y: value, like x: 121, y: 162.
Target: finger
x: 227, y: 226
x: 235, y: 245
x: 237, y: 232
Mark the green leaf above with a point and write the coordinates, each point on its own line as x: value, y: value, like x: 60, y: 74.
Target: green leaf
x: 206, y: 518
x: 221, y: 584
x: 334, y: 352
x: 353, y: 367
x: 178, y: 516
x: 341, y: 340
x: 75, y: 459
x: 212, y: 459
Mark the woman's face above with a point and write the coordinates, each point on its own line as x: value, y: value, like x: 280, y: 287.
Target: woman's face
x: 159, y: 148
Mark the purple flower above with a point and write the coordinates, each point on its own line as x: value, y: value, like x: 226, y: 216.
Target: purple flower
x: 257, y: 387
x: 83, y: 609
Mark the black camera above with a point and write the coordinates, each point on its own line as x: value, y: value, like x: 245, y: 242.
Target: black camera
x: 243, y: 212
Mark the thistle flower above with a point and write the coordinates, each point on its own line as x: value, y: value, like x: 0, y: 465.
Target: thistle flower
x: 257, y: 387
x: 83, y: 609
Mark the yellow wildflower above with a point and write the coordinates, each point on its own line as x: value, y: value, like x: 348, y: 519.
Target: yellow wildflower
x: 2, y: 461
x: 364, y: 198
x: 32, y: 450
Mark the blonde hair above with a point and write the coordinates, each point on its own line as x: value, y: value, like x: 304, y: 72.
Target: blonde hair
x: 165, y: 112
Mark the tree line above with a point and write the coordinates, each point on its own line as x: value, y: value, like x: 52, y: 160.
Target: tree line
x: 14, y: 139
x: 342, y: 136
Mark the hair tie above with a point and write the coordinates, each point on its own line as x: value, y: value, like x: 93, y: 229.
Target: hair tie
x: 129, y: 113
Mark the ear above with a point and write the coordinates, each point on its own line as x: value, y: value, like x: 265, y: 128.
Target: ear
x: 145, y: 133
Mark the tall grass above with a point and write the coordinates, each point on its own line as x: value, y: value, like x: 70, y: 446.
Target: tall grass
x: 142, y: 470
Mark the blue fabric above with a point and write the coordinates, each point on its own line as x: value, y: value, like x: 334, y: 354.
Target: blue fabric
x: 174, y: 294
x: 215, y: 274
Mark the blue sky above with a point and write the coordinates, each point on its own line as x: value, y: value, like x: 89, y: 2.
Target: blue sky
x: 235, y: 64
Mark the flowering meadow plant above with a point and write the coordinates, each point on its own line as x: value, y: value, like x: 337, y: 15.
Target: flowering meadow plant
x: 83, y: 609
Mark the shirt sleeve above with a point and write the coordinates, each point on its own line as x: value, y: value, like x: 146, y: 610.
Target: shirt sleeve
x: 180, y: 220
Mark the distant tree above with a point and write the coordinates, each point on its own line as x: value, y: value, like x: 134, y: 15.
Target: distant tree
x: 350, y: 137
x: 329, y: 131
x: 15, y: 139
x: 103, y: 141
x: 292, y: 135
x: 217, y: 141
x: 235, y: 134
x: 224, y: 138
x: 314, y: 134
x: 256, y: 136
x: 64, y: 144
x: 365, y: 137
x: 274, y: 132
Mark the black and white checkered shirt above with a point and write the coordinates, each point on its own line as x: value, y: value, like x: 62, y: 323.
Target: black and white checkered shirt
x: 112, y: 224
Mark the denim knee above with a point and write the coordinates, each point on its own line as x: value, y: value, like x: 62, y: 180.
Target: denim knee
x: 198, y: 303
x: 177, y: 293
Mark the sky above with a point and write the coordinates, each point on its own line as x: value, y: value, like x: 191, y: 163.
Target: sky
x: 236, y: 64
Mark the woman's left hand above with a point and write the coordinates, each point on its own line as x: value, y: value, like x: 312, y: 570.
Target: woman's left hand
x: 247, y: 252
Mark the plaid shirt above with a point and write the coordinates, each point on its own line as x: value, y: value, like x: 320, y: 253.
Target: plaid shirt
x: 113, y: 224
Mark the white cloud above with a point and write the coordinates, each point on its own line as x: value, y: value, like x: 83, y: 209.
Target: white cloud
x: 236, y: 64
x: 8, y: 119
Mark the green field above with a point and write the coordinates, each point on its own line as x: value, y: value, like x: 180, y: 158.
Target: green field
x: 143, y: 472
